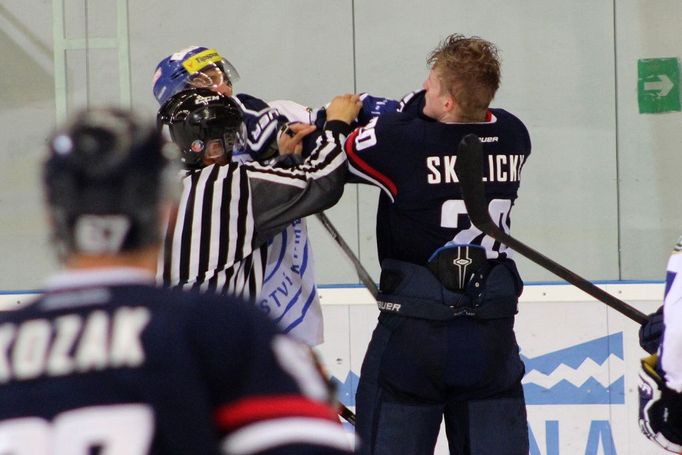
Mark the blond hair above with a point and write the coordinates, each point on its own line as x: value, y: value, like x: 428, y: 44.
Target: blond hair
x: 469, y: 69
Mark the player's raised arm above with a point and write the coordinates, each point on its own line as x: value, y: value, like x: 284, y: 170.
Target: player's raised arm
x: 344, y: 108
x: 312, y: 186
x: 290, y: 138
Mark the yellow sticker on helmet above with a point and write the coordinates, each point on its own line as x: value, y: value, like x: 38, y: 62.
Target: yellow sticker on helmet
x: 198, y: 61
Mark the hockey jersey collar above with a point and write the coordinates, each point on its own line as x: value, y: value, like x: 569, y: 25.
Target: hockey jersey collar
x: 77, y: 278
x: 489, y: 118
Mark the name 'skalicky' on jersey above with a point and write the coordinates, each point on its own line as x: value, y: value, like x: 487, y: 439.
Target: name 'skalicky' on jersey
x: 500, y: 168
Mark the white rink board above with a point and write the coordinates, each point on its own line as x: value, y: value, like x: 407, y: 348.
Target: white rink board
x: 581, y: 358
x: 581, y: 363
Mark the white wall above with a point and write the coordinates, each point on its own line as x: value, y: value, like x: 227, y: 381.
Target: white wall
x: 599, y: 193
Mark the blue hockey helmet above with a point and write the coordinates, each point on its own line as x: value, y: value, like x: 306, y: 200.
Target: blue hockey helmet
x: 105, y: 178
x: 195, y: 66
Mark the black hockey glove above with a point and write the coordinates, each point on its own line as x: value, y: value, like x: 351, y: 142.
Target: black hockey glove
x: 660, y: 409
x: 651, y: 332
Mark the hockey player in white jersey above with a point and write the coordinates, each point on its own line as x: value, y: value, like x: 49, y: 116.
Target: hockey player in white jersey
x: 289, y: 293
x: 660, y: 388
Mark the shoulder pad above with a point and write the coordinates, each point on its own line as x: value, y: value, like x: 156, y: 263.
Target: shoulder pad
x: 250, y: 103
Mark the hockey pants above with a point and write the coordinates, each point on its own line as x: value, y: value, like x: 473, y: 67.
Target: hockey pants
x: 417, y: 371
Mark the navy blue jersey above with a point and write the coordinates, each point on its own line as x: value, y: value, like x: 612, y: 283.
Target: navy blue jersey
x: 105, y: 363
x: 411, y: 158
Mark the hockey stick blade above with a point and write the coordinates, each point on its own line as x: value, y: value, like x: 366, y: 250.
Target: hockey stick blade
x: 364, y: 276
x: 469, y: 170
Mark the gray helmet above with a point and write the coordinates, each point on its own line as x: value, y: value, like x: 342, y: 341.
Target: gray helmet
x: 104, y: 180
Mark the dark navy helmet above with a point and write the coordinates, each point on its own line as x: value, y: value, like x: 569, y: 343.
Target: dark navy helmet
x: 199, y: 115
x: 105, y: 178
x: 195, y: 66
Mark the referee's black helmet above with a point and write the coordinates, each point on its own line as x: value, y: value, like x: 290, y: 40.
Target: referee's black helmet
x: 196, y: 116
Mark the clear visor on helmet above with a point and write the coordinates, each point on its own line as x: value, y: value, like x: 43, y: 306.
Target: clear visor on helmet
x: 220, y: 151
x: 213, y: 75
x: 215, y: 150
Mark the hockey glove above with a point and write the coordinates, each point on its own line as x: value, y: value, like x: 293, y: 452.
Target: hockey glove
x: 374, y: 106
x: 660, y: 409
x: 651, y: 332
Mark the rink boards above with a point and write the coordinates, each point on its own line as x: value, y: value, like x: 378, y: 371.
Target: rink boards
x: 581, y: 360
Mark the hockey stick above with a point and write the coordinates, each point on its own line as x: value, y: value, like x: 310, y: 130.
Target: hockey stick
x: 343, y: 411
x: 469, y: 170
x: 347, y: 414
x: 359, y: 268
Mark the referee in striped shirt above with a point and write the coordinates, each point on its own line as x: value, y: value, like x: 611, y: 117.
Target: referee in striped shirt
x: 229, y: 210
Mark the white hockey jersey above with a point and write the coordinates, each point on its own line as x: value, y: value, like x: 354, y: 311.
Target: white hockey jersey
x: 671, y: 347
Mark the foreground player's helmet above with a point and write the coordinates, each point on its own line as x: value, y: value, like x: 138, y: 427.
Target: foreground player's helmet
x: 192, y: 67
x: 104, y: 179
x: 196, y: 116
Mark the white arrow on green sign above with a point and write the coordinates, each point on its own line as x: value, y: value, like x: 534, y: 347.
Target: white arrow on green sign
x: 662, y: 86
x: 658, y: 85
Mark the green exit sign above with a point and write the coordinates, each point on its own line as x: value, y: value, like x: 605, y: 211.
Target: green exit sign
x: 658, y: 85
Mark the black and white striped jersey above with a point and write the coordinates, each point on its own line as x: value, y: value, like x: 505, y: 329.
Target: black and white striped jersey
x: 227, y: 213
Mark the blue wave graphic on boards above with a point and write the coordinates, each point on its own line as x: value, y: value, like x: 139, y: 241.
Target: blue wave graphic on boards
x: 345, y: 391
x: 566, y: 390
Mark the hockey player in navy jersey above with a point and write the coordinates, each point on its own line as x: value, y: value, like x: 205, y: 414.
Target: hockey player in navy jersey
x: 660, y: 379
x: 288, y: 293
x: 105, y: 362
x: 445, y: 343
